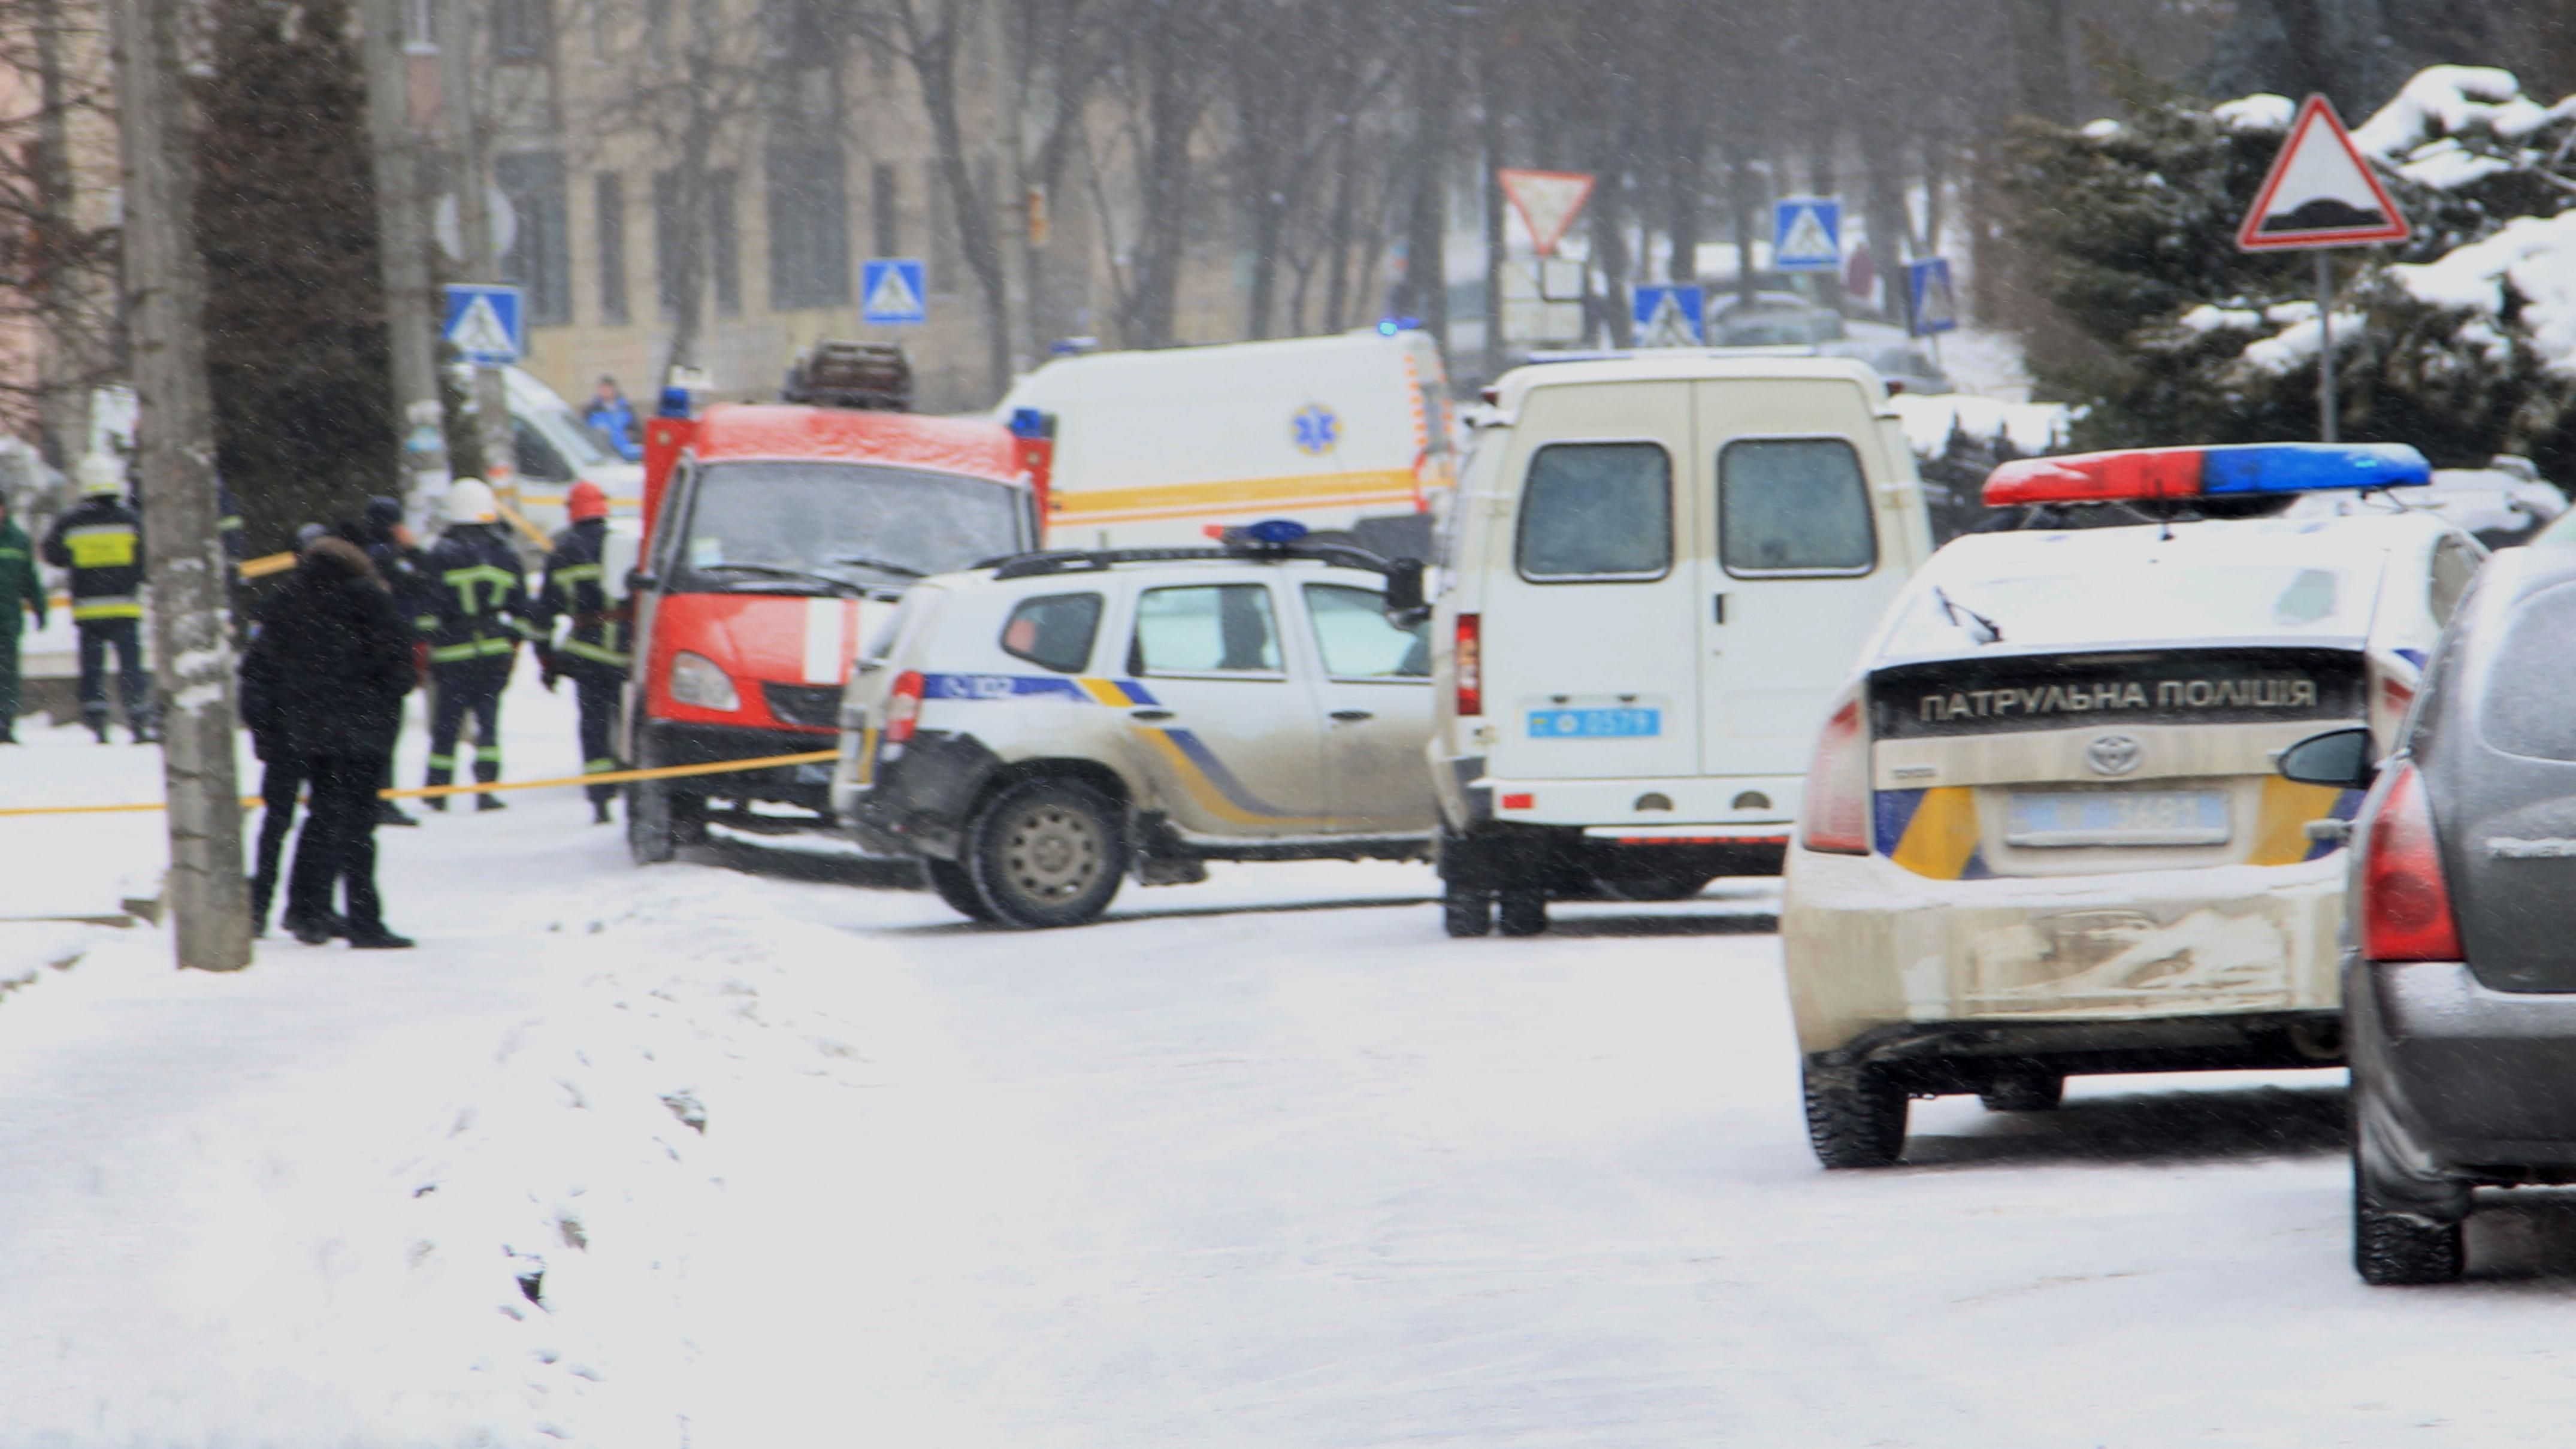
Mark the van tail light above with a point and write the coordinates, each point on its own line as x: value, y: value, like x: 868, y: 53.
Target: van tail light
x: 903, y: 707
x: 1837, y: 813
x: 2405, y: 906
x: 1469, y: 664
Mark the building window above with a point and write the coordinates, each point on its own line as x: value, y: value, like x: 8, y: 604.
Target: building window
x: 522, y: 30
x: 942, y: 221
x: 809, y: 228
x: 674, y: 243
x: 540, y: 256
x: 885, y: 187
x: 724, y: 244
x: 609, y: 217
x: 420, y: 26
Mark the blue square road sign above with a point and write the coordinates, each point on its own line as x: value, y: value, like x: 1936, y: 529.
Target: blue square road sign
x: 1930, y: 304
x: 1671, y: 316
x: 486, y: 324
x: 893, y: 291
x: 1807, y: 234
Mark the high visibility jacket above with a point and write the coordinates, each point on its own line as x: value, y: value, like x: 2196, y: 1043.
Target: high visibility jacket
x: 576, y: 587
x: 19, y: 585
x: 473, y: 596
x: 101, y: 542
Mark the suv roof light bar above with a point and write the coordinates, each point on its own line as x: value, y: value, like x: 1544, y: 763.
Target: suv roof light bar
x: 2243, y: 470
x: 1068, y: 561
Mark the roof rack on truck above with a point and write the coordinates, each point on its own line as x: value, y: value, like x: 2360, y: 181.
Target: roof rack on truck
x: 875, y: 376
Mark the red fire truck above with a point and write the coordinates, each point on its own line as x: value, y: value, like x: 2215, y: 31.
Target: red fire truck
x: 777, y: 539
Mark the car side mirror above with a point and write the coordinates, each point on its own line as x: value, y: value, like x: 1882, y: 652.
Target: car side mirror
x: 1404, y: 587
x: 640, y: 582
x: 2340, y: 758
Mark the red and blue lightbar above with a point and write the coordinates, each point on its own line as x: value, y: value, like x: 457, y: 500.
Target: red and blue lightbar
x: 2141, y: 474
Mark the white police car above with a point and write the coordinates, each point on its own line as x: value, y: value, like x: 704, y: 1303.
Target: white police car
x: 1037, y: 729
x: 2043, y: 833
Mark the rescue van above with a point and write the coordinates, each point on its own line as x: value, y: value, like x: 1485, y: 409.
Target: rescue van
x: 1657, y: 572
x: 1169, y: 447
x: 777, y: 537
x: 2043, y: 831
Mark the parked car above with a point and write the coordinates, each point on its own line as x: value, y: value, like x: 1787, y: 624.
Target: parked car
x: 2459, y: 988
x: 1037, y: 729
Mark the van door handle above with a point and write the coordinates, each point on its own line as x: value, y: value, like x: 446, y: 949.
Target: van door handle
x: 1352, y: 715
x: 1149, y: 714
x: 1719, y: 608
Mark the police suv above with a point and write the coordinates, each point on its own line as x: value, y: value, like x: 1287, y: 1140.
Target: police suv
x: 2043, y: 833
x: 1036, y: 729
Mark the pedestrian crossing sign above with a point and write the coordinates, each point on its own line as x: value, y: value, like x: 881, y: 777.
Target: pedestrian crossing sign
x: 1807, y: 234
x: 485, y: 324
x: 1670, y: 316
x: 1933, y: 307
x: 892, y: 292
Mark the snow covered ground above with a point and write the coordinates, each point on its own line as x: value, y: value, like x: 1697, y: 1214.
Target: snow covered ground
x: 760, y: 1148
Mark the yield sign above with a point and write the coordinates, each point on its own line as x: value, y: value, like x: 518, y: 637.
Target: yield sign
x: 1548, y: 202
x: 2320, y: 192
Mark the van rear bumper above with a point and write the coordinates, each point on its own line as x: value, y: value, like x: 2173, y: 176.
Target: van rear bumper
x: 1747, y: 804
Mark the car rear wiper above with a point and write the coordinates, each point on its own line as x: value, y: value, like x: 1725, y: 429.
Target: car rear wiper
x: 1979, y: 627
x: 881, y: 565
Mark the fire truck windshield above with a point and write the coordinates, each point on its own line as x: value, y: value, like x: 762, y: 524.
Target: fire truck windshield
x: 760, y: 524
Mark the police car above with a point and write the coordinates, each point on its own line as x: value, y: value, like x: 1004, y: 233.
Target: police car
x: 1035, y: 730
x: 2043, y: 834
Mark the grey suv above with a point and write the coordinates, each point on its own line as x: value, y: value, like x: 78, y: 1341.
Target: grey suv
x: 2460, y: 941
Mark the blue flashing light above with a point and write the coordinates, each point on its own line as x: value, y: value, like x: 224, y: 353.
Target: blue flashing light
x: 1276, y: 532
x: 2307, y: 467
x: 1389, y: 326
x: 1028, y: 423
x: 675, y: 403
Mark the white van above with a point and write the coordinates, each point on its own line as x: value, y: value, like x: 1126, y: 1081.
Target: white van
x: 553, y: 449
x: 1657, y: 572
x: 1167, y: 447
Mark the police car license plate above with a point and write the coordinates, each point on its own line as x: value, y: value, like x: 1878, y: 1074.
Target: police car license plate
x: 1573, y: 724
x: 2124, y: 817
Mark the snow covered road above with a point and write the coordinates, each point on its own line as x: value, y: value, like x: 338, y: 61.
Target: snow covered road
x: 1216, y: 1172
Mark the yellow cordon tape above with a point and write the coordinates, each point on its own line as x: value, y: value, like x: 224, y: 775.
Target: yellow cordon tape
x: 605, y: 777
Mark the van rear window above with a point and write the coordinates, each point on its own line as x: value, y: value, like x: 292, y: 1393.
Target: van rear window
x: 1054, y: 630
x: 1793, y: 505
x: 1597, y: 511
x: 2525, y: 709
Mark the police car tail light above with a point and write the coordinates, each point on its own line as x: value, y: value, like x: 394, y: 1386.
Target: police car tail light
x: 2242, y: 470
x: 1838, y: 786
x: 2390, y: 697
x: 2405, y: 905
x: 1470, y: 664
x: 903, y: 707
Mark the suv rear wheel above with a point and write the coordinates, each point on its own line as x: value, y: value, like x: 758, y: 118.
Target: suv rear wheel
x: 1047, y: 853
x: 1855, y: 1117
x: 956, y: 885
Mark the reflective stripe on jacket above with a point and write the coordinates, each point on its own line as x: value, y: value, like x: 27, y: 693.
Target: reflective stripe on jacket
x: 576, y: 588
x: 473, y: 600
x: 101, y: 543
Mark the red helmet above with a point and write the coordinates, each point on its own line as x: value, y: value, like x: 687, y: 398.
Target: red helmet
x: 585, y: 501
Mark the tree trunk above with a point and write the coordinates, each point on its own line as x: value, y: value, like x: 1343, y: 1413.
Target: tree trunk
x: 404, y: 247
x: 1338, y: 239
x: 183, y: 550
x: 1490, y: 137
x: 1741, y: 199
x: 2043, y: 86
x: 935, y: 64
x: 474, y: 232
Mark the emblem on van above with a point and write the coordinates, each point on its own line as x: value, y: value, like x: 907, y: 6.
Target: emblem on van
x: 2113, y: 754
x: 1315, y: 430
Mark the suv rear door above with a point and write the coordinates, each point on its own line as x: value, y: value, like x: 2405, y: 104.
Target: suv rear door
x: 1374, y: 690
x: 2499, y: 750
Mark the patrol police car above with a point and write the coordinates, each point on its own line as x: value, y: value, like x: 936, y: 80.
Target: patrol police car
x: 1037, y: 729
x: 2043, y: 833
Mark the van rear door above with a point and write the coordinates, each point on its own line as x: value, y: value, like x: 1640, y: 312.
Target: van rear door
x: 1588, y: 653
x: 1802, y: 546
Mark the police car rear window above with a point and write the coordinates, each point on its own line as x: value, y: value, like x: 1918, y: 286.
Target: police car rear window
x: 2137, y: 600
x: 2525, y: 711
x: 1597, y: 511
x: 1053, y: 630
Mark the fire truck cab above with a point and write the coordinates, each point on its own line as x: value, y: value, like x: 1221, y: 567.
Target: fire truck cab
x: 777, y: 537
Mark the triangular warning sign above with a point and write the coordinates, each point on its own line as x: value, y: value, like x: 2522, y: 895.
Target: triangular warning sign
x: 1672, y: 325
x: 893, y: 296
x: 1548, y: 202
x: 2321, y: 192
x: 1807, y: 240
x: 479, y: 333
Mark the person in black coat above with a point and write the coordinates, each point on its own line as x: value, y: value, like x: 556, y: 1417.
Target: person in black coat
x: 328, y: 673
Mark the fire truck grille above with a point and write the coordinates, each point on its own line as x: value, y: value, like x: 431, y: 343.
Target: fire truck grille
x: 815, y: 706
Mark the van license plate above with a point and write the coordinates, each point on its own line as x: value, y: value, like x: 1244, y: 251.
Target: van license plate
x: 2125, y: 817
x: 1581, y: 724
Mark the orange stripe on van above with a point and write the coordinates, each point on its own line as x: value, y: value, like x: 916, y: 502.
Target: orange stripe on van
x: 1238, y: 495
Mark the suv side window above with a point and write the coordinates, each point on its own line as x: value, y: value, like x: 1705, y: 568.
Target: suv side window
x: 1053, y: 631
x: 1205, y: 629
x: 2454, y: 564
x: 1793, y: 505
x: 1597, y: 511
x: 1358, y: 641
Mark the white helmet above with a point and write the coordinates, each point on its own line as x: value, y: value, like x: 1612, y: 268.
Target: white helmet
x: 101, y: 474
x: 469, y: 500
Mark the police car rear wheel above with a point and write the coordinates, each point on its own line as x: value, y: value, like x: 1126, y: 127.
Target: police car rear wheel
x: 1855, y: 1117
x: 1047, y: 853
x: 956, y: 885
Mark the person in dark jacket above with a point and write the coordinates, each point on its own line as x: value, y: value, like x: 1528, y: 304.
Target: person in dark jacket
x: 101, y: 542
x: 476, y: 620
x: 328, y: 671
x: 281, y: 774
x: 593, y: 651
x: 388, y: 542
x: 610, y: 416
x: 19, y: 586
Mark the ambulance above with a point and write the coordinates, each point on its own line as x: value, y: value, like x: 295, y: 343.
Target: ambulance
x: 1347, y: 434
x: 1658, y: 570
x: 777, y: 537
x: 2043, y: 832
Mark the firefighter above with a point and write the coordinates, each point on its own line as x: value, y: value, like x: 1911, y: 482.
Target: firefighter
x: 474, y: 607
x: 593, y: 650
x: 101, y: 542
x: 19, y: 587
